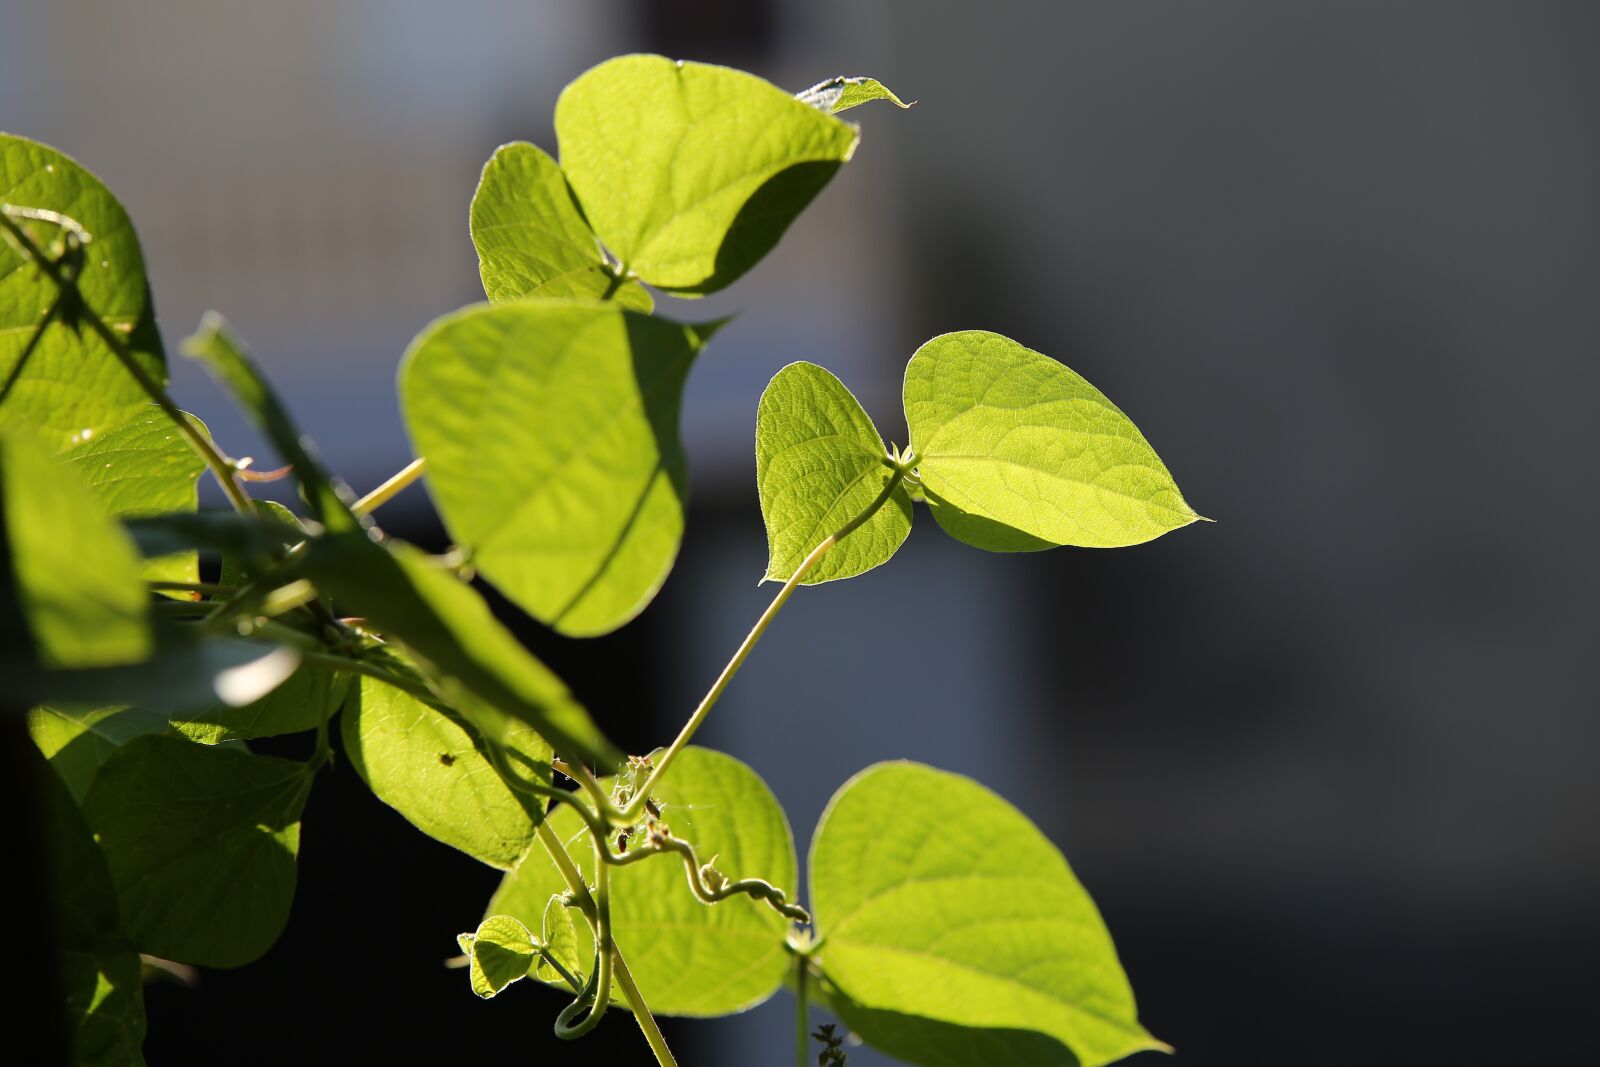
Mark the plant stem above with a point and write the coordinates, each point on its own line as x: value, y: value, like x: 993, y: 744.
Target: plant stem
x: 390, y: 489
x: 630, y: 813
x: 203, y: 588
x: 624, y: 978
x: 802, y: 1024
x: 220, y: 467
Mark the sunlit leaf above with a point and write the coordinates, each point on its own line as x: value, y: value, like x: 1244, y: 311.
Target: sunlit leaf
x: 78, y: 741
x: 551, y: 435
x: 60, y: 380
x: 689, y: 958
x: 1023, y: 446
x: 937, y: 902
x: 479, y: 668
x: 688, y: 172
x: 306, y: 698
x: 201, y: 844
x: 560, y: 942
x: 819, y: 464
x: 843, y: 93
x: 501, y: 952
x: 431, y: 768
x: 531, y: 238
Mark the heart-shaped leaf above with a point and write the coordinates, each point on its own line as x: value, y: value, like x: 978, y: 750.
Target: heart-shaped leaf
x: 499, y: 953
x: 939, y: 905
x: 819, y: 464
x: 689, y: 172
x: 531, y: 238
x: 1016, y: 449
x: 551, y: 435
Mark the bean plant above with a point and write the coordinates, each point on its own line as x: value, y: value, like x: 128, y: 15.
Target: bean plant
x: 940, y: 925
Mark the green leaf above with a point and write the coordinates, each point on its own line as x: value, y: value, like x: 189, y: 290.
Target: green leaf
x: 477, y: 666
x: 60, y: 381
x: 104, y: 992
x: 551, y: 435
x: 78, y: 741
x: 242, y: 563
x: 938, y: 902
x: 201, y: 845
x: 309, y: 696
x: 75, y: 573
x: 501, y: 952
x: 819, y: 464
x: 688, y: 958
x: 843, y: 93
x: 690, y: 173
x: 1018, y: 449
x: 532, y: 239
x: 250, y: 536
x: 432, y: 768
x: 224, y: 355
x: 145, y: 467
x: 560, y: 942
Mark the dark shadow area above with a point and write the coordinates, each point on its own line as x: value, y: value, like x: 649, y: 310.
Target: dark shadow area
x: 973, y: 529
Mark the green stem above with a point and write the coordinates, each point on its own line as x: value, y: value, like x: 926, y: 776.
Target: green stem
x: 390, y: 489
x: 630, y: 814
x: 220, y: 467
x: 585, y: 904
x: 802, y: 1024
x: 203, y: 588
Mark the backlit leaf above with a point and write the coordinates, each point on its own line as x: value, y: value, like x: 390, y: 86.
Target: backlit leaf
x: 551, y: 435
x: 78, y: 741
x: 531, y: 238
x: 843, y: 93
x: 689, y: 958
x: 432, y: 769
x: 478, y: 667
x: 560, y: 943
x: 939, y: 903
x: 689, y: 172
x: 501, y: 952
x: 819, y: 464
x: 60, y: 380
x: 201, y: 844
x: 310, y: 695
x: 1018, y: 449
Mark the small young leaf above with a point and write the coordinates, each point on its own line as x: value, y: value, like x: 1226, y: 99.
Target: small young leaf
x: 936, y: 900
x: 690, y: 173
x: 81, y: 597
x: 309, y: 696
x: 104, y: 990
x: 215, y: 346
x: 819, y: 464
x: 551, y: 435
x: 531, y: 238
x: 843, y: 93
x: 60, y: 380
x: 688, y: 958
x: 145, y: 467
x: 201, y: 845
x: 1017, y: 449
x: 560, y: 942
x: 431, y: 768
x: 78, y: 741
x: 483, y: 672
x: 501, y: 952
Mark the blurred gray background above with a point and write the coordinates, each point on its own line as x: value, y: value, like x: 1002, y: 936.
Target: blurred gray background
x: 1327, y: 766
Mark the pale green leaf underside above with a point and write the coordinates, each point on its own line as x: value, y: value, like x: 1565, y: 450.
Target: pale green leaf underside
x: 144, y: 467
x: 481, y: 669
x: 531, y: 238
x: 551, y: 435
x: 65, y: 382
x: 500, y: 953
x: 819, y: 464
x: 560, y: 942
x: 432, y: 769
x: 78, y: 741
x: 843, y: 93
x: 201, y: 844
x: 690, y: 173
x: 688, y: 958
x: 937, y: 900
x: 1027, y: 450
x: 77, y: 574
